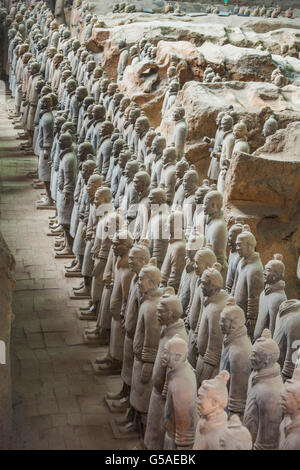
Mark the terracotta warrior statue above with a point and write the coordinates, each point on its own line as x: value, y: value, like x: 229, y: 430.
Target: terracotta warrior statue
x: 190, y: 186
x: 248, y: 282
x: 158, y: 145
x: 45, y: 140
x: 168, y: 173
x: 215, y: 150
x: 105, y: 147
x: 67, y: 175
x: 145, y: 343
x: 203, y: 259
x: 199, y: 216
x: 227, y: 148
x: 123, y: 60
x: 181, y: 391
x: 94, y: 182
x: 182, y: 167
x: 122, y: 276
x: 290, y: 404
x: 142, y: 126
x: 263, y: 414
x: 271, y: 297
x: 234, y: 257
x: 287, y: 334
x: 270, y: 126
x: 157, y: 235
x: 81, y: 212
x: 211, y: 401
x: 235, y: 357
x: 139, y: 256
x: 215, y: 229
x: 170, y: 97
x: 141, y: 183
x: 174, y: 261
x: 210, y: 336
x: 188, y: 277
x: 169, y: 311
x: 180, y: 131
x: 235, y: 436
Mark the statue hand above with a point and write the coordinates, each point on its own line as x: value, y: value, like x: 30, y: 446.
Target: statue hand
x: 146, y: 372
x: 250, y: 324
x: 186, y: 322
x: 46, y: 153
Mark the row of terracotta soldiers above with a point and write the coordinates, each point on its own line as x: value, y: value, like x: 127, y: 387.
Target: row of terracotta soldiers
x: 157, y: 288
x: 255, y: 11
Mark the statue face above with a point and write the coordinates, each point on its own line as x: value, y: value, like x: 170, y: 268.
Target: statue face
x: 91, y: 188
x: 177, y: 114
x: 119, y: 247
x: 135, y: 261
x: 199, y: 265
x: 98, y: 198
x: 86, y: 173
x: 205, y: 404
x: 288, y: 401
x: 167, y: 156
x: 140, y: 127
x: 270, y: 275
x: 104, y: 130
x: 199, y: 195
x: 63, y: 142
x: 144, y: 284
x: 188, y: 185
x: 111, y: 89
x: 132, y: 116
x: 225, y: 324
x: 207, y: 286
x: 180, y: 170
x: 129, y: 172
x: 257, y: 360
x: 232, y: 236
x: 139, y: 184
x: 226, y: 124
x: 172, y: 358
x: 163, y: 314
x: 209, y: 206
x: 243, y: 247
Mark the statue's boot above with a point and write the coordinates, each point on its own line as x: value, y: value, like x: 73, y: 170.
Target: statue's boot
x: 73, y: 262
x: 57, y: 229
x: 123, y: 393
x: 60, y: 247
x: 103, y: 359
x: 111, y: 366
x: 81, y: 285
x: 128, y: 428
x: 121, y: 405
x: 89, y: 314
x: 85, y: 290
x: 46, y: 202
x: 127, y: 418
x: 66, y: 250
x: 74, y: 269
x: 93, y: 331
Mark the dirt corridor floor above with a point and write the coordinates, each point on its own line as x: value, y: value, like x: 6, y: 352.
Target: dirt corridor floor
x: 58, y: 402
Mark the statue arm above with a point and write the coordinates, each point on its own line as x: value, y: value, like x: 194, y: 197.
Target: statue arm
x: 69, y: 176
x: 166, y: 269
x: 292, y: 333
x: 48, y: 134
x: 177, y: 266
x: 255, y: 285
x: 270, y: 416
x: 184, y: 419
x: 239, y: 375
